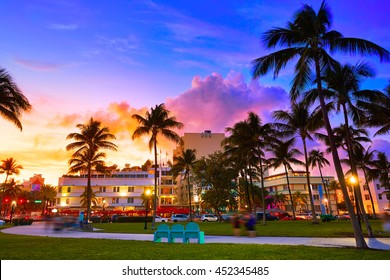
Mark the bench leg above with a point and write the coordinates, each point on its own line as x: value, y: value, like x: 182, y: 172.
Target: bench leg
x: 201, y: 237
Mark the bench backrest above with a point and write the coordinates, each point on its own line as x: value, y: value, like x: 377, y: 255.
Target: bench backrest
x: 163, y: 228
x: 192, y: 227
x: 177, y: 228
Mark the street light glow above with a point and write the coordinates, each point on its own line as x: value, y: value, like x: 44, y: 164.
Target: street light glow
x: 352, y: 180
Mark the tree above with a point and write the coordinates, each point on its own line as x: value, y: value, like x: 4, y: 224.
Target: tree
x: 9, y: 167
x: 184, y: 163
x: 300, y: 199
x: 247, y: 143
x: 156, y: 122
x: 301, y: 122
x: 285, y: 155
x: 383, y: 165
x: 47, y: 193
x: 216, y: 174
x: 87, y: 157
x: 12, y: 100
x: 307, y: 39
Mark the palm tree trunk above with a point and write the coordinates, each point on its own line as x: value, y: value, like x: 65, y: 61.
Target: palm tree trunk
x: 262, y: 188
x: 189, y: 196
x: 248, y: 199
x: 313, y: 211
x: 89, y: 192
x: 289, y: 192
x: 358, y: 196
x: 155, y: 184
x: 359, y: 238
x: 252, y: 190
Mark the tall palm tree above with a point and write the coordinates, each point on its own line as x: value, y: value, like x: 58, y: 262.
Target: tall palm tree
x: 184, y: 163
x: 85, y: 196
x: 300, y: 121
x: 156, y: 122
x: 300, y: 199
x: 249, y: 138
x: 9, y: 167
x: 382, y: 163
x: 47, y: 193
x: 306, y: 40
x: 317, y: 158
x: 285, y: 155
x: 12, y: 100
x: 89, y: 141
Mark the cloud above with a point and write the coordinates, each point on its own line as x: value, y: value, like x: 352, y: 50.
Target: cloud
x: 215, y: 102
x: 64, y: 27
x: 38, y: 65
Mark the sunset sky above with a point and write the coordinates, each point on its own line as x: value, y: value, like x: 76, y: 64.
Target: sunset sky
x: 110, y: 59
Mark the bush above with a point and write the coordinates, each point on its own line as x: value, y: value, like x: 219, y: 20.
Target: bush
x: 22, y: 222
x: 133, y: 219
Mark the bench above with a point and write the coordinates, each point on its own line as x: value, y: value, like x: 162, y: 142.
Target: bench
x: 162, y: 232
x: 193, y: 231
x: 177, y: 231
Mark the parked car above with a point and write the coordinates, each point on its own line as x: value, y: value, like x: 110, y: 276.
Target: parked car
x: 209, y: 218
x: 268, y: 216
x: 161, y: 219
x: 179, y: 218
x: 343, y: 217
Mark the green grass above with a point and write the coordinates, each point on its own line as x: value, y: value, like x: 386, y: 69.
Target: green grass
x: 273, y: 228
x: 18, y: 247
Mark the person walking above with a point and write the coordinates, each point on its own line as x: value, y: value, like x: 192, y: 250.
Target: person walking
x: 236, y: 222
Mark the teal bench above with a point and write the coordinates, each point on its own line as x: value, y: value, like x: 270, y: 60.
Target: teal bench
x: 162, y: 231
x: 177, y: 231
x: 193, y: 232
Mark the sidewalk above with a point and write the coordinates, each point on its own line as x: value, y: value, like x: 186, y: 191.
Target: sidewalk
x: 39, y: 229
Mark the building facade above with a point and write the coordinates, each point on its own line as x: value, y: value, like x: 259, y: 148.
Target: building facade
x: 119, y: 191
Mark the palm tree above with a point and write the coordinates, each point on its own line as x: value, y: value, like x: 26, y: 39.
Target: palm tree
x: 383, y: 165
x: 278, y: 198
x: 156, y: 122
x: 249, y: 139
x: 285, y: 155
x: 316, y: 158
x: 365, y: 161
x: 307, y: 39
x: 377, y: 107
x: 302, y: 122
x: 91, y: 138
x: 47, y: 193
x: 85, y: 196
x: 12, y: 100
x: 300, y: 199
x: 9, y: 167
x: 184, y: 163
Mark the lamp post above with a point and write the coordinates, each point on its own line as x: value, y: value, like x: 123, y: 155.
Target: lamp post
x: 147, y: 193
x: 354, y: 183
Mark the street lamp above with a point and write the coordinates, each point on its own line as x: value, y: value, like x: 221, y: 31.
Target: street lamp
x: 104, y: 205
x: 13, y: 206
x: 354, y: 184
x: 147, y: 193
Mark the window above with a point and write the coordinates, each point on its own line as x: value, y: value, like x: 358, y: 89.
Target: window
x: 379, y: 196
x: 69, y: 189
x: 365, y: 187
x: 102, y: 189
x: 378, y: 186
x: 285, y: 187
x: 130, y: 200
x: 115, y: 200
x: 271, y: 189
x: 367, y: 197
x: 130, y: 189
x: 316, y: 197
x: 317, y: 207
x: 67, y: 200
x: 60, y: 190
x: 115, y: 189
x: 314, y: 187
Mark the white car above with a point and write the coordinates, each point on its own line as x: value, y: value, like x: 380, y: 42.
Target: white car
x: 209, y: 218
x: 161, y: 219
x: 179, y: 218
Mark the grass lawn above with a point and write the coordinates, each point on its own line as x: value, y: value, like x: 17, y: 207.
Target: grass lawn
x: 18, y: 247
x: 273, y: 228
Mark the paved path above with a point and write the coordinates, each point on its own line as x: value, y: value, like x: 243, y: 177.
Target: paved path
x: 39, y: 229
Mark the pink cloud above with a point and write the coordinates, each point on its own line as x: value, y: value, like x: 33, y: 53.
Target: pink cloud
x: 215, y: 102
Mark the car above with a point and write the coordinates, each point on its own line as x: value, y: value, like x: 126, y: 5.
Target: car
x: 268, y: 216
x: 161, y: 219
x: 179, y: 218
x: 343, y: 217
x: 209, y: 218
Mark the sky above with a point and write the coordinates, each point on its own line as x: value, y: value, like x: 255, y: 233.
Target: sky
x: 75, y: 60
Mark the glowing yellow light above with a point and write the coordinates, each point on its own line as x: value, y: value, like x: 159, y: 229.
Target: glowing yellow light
x: 147, y: 192
x: 352, y: 180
